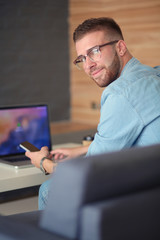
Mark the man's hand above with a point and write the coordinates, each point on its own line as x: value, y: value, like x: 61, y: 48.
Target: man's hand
x: 37, y: 156
x: 62, y: 154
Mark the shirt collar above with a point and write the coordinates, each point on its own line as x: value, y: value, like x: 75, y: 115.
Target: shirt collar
x: 131, y: 63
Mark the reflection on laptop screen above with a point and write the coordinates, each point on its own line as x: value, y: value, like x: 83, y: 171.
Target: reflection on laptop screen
x: 19, y: 124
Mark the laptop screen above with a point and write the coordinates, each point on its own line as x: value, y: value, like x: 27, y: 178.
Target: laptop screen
x: 19, y: 124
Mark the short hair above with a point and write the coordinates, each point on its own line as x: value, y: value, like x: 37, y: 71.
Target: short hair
x: 97, y: 24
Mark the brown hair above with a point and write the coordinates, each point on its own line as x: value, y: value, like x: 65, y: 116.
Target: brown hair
x: 98, y: 24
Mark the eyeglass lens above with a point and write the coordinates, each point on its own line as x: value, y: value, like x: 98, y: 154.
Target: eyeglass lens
x: 94, y: 55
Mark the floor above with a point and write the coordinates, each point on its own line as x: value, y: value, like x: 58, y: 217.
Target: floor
x: 62, y: 132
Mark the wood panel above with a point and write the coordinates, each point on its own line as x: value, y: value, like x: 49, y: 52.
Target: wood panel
x: 68, y: 127
x: 140, y: 23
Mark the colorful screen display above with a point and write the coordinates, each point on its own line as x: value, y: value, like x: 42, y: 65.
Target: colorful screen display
x: 23, y: 124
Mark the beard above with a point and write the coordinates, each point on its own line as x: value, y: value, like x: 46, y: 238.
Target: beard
x: 109, y: 74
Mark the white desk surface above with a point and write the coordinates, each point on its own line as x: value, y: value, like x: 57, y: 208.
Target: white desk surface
x: 12, y: 179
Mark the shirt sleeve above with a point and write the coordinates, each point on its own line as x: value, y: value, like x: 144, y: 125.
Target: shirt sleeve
x: 119, y: 126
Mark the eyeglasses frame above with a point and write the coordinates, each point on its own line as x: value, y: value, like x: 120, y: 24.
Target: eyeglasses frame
x: 89, y: 50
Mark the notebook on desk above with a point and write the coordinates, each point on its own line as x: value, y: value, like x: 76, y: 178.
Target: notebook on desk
x: 19, y: 124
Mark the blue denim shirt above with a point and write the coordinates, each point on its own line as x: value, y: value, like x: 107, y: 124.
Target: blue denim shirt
x: 130, y: 110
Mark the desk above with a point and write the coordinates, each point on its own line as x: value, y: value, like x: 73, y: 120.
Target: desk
x: 13, y: 179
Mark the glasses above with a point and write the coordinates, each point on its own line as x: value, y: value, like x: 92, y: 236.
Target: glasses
x: 94, y: 55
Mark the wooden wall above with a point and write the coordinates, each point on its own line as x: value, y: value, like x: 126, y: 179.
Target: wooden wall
x: 140, y: 23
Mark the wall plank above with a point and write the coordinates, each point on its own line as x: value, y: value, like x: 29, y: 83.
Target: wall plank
x: 140, y: 23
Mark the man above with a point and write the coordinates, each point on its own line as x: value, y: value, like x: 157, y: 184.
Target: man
x: 130, y: 109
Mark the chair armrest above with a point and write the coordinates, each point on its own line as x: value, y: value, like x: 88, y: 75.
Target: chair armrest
x: 80, y: 181
x: 134, y: 216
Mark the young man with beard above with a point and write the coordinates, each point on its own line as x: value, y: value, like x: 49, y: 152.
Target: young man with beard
x: 130, y: 112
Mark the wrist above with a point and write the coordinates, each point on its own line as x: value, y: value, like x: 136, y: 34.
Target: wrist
x: 42, y: 167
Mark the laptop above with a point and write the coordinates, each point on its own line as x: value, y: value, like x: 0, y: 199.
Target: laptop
x: 19, y: 124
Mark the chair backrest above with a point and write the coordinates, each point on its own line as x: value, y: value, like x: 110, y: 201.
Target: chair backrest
x: 81, y: 181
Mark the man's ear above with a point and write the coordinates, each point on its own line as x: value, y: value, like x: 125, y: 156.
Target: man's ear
x: 121, y: 48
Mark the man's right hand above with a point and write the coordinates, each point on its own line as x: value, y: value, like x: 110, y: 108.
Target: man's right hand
x: 62, y: 154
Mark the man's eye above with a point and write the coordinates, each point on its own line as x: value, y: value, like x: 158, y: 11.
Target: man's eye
x: 80, y: 60
x: 94, y: 51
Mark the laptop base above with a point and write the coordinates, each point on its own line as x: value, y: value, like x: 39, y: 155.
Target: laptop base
x: 17, y: 164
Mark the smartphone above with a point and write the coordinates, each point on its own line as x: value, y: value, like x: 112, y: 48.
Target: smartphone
x: 28, y: 147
